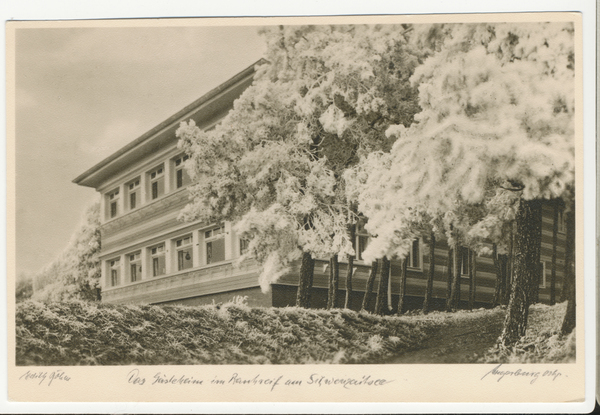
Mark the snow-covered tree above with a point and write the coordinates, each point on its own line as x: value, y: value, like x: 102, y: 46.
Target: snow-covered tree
x: 23, y: 287
x: 75, y: 274
x: 495, y: 133
x: 323, y: 100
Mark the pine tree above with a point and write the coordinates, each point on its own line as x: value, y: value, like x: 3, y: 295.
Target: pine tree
x: 323, y: 101
x: 494, y: 138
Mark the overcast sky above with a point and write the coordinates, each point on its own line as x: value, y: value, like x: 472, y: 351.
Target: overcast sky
x: 83, y: 93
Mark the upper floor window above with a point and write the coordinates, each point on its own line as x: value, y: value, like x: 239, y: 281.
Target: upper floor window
x: 214, y: 240
x: 115, y: 271
x: 157, y: 256
x: 133, y: 194
x: 244, y: 243
x: 183, y: 248
x: 181, y: 176
x: 135, y: 266
x: 113, y: 203
x: 156, y: 178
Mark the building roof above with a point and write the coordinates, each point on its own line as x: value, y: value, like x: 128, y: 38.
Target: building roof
x: 205, y: 107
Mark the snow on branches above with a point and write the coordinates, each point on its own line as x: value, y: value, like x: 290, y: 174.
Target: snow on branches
x: 496, y: 124
x: 275, y: 165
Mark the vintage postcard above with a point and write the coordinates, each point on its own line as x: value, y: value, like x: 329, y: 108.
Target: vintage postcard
x: 352, y: 209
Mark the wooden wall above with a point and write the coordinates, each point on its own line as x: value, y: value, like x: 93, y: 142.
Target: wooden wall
x: 485, y: 276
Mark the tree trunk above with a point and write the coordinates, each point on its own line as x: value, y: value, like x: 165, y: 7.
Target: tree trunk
x: 526, y: 259
x: 430, y: 275
x: 457, y: 263
x: 306, y: 280
x: 554, y: 247
x: 509, y: 266
x: 334, y: 281
x: 402, y: 292
x: 569, y: 278
x: 350, y: 270
x: 504, y: 267
x: 472, y: 275
x: 349, y: 275
x: 369, y: 287
x: 449, y: 284
x: 381, y: 302
x: 498, y: 291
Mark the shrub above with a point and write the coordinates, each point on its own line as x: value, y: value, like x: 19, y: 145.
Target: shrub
x: 82, y: 333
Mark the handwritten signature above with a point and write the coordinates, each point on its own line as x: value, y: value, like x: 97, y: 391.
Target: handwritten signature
x: 554, y: 374
x: 45, y: 376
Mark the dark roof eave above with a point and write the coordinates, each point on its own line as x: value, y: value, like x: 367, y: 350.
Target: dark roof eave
x: 188, y: 108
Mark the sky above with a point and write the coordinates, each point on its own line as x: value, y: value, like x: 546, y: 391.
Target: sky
x: 83, y: 93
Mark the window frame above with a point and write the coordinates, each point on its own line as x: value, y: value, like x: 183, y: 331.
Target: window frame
x: 543, y: 279
x: 411, y: 259
x: 133, y: 188
x: 562, y: 224
x: 159, y: 175
x: 209, y: 237
x: 112, y: 199
x: 362, y: 237
x: 464, y: 252
x: 114, y: 270
x: 137, y: 262
x: 156, y: 256
x: 244, y: 244
x: 180, y: 246
x: 179, y: 169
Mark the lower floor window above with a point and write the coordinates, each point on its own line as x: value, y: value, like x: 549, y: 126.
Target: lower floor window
x: 363, y: 241
x: 158, y: 260
x: 184, y: 253
x: 414, y: 256
x: 135, y: 267
x: 134, y: 273
x: 115, y: 268
x: 542, y: 271
x: 215, y: 251
x: 464, y: 260
x: 215, y: 245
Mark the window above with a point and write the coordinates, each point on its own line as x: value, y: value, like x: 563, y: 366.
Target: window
x: 562, y: 226
x: 184, y: 253
x: 244, y: 246
x: 113, y: 203
x: 157, y: 255
x: 133, y: 190
x: 115, y: 272
x: 543, y: 274
x: 181, y: 176
x: 464, y: 261
x: 157, y: 182
x: 362, y: 239
x: 135, y: 267
x: 414, y: 256
x: 215, y: 245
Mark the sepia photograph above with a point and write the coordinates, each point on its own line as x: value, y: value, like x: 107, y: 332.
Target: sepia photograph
x: 224, y: 203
